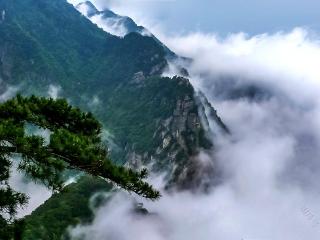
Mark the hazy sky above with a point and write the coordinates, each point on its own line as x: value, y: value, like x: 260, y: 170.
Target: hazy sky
x: 221, y: 16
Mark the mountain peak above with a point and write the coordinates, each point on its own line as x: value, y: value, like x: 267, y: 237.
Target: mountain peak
x: 108, y: 20
x: 87, y: 9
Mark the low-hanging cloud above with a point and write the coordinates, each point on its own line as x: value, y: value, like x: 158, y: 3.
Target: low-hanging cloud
x: 18, y: 181
x: 289, y: 59
x: 270, y: 162
x: 37, y: 193
x: 113, y: 25
x: 54, y: 91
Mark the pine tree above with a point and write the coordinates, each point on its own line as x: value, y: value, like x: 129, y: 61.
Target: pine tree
x: 75, y: 143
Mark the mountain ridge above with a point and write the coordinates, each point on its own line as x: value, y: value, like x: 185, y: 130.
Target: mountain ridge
x: 117, y: 25
x: 110, y: 21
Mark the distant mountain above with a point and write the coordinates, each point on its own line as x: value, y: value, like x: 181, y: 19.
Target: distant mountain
x: 87, y: 9
x: 148, y: 119
x: 109, y: 21
x: 117, y: 25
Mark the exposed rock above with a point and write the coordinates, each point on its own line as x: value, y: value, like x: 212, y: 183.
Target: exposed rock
x: 166, y: 142
x: 138, y: 78
x: 157, y: 69
x: 134, y: 160
x: 211, y: 113
x: 180, y: 138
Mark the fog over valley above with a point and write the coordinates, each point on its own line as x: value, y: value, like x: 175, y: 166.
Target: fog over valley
x: 265, y: 88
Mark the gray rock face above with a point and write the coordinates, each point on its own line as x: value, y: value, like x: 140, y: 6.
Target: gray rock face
x: 181, y: 138
x: 138, y: 78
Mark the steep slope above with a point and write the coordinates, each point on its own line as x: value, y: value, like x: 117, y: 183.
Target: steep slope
x: 149, y: 120
x: 48, y: 43
x: 63, y: 209
x: 51, y: 43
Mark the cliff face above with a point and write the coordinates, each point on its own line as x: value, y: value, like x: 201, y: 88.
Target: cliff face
x: 177, y: 136
x: 180, y: 136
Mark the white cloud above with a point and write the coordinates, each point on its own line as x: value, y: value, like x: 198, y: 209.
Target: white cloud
x: 37, y: 194
x: 270, y: 162
x: 9, y: 93
x: 54, y: 91
x: 288, y: 58
x: 113, y: 26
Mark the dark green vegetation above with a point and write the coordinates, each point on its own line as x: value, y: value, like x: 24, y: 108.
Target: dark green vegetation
x: 70, y: 207
x: 48, y: 42
x: 149, y: 119
x: 139, y: 105
x: 74, y: 143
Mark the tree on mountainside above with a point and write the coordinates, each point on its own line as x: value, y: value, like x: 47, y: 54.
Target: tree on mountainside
x: 74, y: 143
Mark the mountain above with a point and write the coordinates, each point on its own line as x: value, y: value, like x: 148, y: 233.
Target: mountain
x: 118, y: 25
x: 88, y: 9
x: 148, y: 119
x: 110, y: 22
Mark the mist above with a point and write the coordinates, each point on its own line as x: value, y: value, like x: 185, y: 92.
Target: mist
x: 37, y: 193
x: 269, y: 163
x: 54, y: 91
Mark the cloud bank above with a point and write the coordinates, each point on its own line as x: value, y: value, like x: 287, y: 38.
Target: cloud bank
x: 37, y: 193
x: 54, y: 91
x: 220, y: 16
x: 270, y: 163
